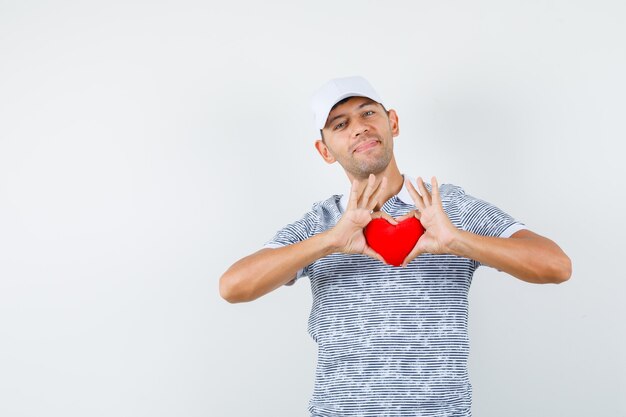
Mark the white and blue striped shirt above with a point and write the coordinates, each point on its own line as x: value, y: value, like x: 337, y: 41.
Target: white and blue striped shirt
x: 392, y: 341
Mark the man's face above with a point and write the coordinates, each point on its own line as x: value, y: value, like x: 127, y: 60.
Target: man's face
x: 359, y: 135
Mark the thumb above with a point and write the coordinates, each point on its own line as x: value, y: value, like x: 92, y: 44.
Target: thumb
x: 414, y: 254
x: 373, y: 254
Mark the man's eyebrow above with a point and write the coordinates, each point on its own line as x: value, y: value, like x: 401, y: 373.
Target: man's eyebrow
x: 339, y: 116
x: 368, y: 103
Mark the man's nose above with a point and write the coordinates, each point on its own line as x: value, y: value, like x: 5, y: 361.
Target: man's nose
x: 358, y: 128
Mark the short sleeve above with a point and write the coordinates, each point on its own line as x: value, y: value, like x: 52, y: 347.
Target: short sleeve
x: 295, y: 232
x: 482, y: 218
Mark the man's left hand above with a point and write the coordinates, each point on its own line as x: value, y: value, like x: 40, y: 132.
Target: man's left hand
x: 439, y: 231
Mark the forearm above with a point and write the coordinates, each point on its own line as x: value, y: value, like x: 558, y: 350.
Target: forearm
x: 268, y: 269
x: 530, y: 257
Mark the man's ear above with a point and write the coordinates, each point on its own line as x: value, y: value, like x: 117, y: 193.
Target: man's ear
x: 393, y: 122
x: 324, y: 151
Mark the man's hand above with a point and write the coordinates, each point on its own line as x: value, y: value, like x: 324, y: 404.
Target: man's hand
x: 348, y: 232
x: 439, y: 231
x: 525, y: 255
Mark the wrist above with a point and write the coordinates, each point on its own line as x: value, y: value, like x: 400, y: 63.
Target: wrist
x: 458, y: 243
x: 330, y: 242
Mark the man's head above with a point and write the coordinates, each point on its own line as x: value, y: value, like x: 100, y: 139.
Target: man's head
x: 355, y: 128
x: 339, y: 103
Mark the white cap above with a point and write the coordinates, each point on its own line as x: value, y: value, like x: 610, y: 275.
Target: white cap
x: 336, y: 90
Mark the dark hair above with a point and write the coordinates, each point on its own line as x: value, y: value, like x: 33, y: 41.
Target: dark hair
x: 340, y: 102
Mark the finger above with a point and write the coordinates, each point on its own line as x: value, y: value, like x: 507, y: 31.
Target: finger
x: 369, y: 189
x: 435, y: 188
x: 417, y: 199
x: 414, y: 253
x: 412, y: 213
x: 373, y: 254
x: 354, y: 195
x: 386, y: 216
x: 374, y: 200
x: 424, y: 192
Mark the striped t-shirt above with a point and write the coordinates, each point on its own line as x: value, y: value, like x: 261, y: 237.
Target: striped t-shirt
x: 392, y: 341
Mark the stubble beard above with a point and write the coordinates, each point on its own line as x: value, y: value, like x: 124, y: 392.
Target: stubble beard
x: 363, y: 168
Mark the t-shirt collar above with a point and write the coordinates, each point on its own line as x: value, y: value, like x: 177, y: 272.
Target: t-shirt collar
x: 403, y: 195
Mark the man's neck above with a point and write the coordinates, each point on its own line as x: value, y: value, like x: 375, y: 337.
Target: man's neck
x: 395, y: 182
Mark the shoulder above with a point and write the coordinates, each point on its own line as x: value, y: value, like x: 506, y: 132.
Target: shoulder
x: 327, y: 211
x: 328, y: 204
x: 450, y: 192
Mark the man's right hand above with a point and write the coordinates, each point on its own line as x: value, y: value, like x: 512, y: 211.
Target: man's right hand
x: 268, y: 269
x: 348, y: 232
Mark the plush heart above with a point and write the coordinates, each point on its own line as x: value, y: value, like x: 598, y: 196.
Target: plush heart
x: 393, y: 242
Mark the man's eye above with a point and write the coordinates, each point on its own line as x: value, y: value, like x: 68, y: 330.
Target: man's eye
x: 339, y: 125
x: 368, y: 113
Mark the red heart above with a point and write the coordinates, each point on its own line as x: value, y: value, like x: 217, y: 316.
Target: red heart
x: 393, y: 242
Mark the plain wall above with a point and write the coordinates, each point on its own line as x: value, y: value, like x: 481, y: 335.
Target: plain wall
x: 147, y: 146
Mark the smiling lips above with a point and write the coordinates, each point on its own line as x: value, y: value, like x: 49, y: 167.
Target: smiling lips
x: 366, y: 145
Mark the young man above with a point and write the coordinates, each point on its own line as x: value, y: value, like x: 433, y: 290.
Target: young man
x: 392, y: 340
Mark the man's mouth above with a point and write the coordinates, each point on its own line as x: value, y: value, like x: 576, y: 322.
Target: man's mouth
x: 366, y: 145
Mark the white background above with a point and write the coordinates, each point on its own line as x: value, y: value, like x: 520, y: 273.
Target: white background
x: 146, y: 146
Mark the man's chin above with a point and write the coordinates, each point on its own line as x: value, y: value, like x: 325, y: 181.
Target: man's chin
x: 364, y: 172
